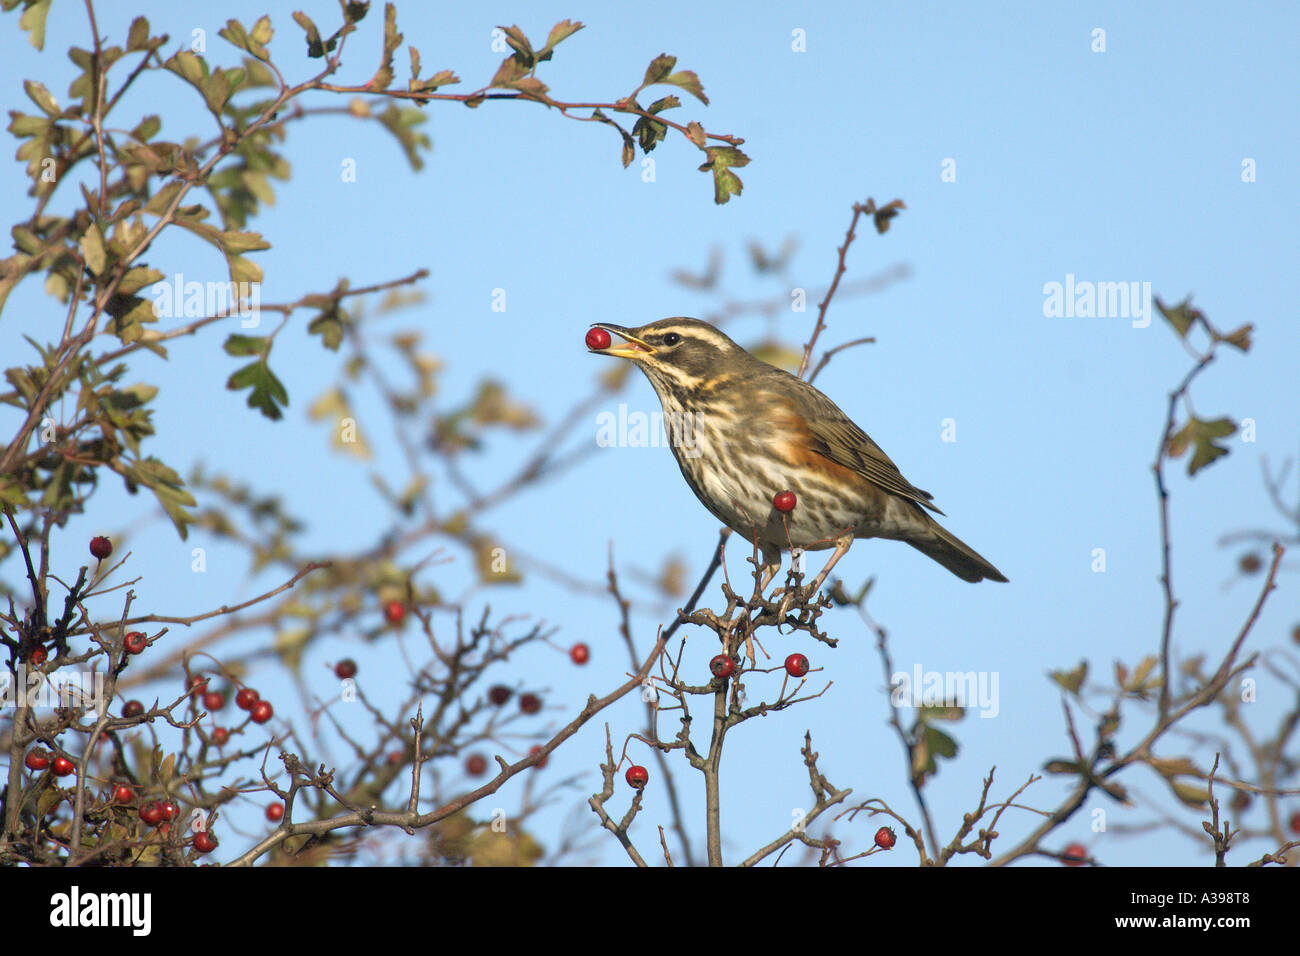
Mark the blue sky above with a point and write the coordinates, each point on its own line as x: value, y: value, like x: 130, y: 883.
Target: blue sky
x: 1116, y: 166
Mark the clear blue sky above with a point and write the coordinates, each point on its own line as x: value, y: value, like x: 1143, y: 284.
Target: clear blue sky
x: 1123, y: 165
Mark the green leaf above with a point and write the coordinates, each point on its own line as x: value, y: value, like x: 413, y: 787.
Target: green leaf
x: 1203, y: 435
x: 725, y: 182
x: 243, y: 270
x: 659, y: 69
x: 1180, y: 316
x: 137, y: 278
x: 237, y: 345
x: 268, y: 393
x: 33, y: 21
x: 516, y: 40
x: 383, y: 77
x: 649, y: 133
x: 330, y: 326
x: 1239, y: 338
x: 42, y: 97
x: 138, y: 36
x: 401, y: 122
x: 1072, y: 680
x: 233, y: 241
x: 559, y: 33
x: 315, y: 46
x: 92, y: 250
x: 688, y: 81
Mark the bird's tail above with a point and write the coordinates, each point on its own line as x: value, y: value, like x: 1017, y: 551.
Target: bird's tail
x: 937, y: 542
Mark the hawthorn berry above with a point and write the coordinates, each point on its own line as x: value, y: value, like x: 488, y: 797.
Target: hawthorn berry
x: 394, y: 612
x: 196, y: 685
x: 135, y: 642
x: 1250, y: 563
x: 1294, y: 822
x: 722, y: 666
x: 637, y: 776
x: 122, y: 793
x: 1076, y: 854
x: 261, y: 712
x: 38, y: 656
x: 579, y: 653
x: 530, y: 703
x: 132, y: 708
x: 100, y: 547
x: 796, y: 665
x: 597, y: 339
x: 275, y: 812
x: 170, y: 810
x: 63, y: 766
x: 498, y: 694
x: 220, y: 735
x: 885, y: 838
x: 214, y: 700
x: 204, y: 842
x: 246, y: 698
x: 536, y: 748
x: 152, y: 813
x: 784, y: 501
x: 37, y: 760
x: 345, y: 669
x: 476, y: 765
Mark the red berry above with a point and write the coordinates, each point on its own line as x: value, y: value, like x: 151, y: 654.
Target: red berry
x: 169, y: 810
x: 196, y: 685
x: 345, y: 669
x: 100, y: 547
x: 37, y: 760
x: 579, y: 653
x: 122, y: 794
x: 1294, y: 822
x: 1076, y: 854
x: 637, y: 776
x: 476, y: 765
x: 395, y: 757
x: 784, y: 501
x: 220, y: 735
x: 246, y: 698
x: 722, y: 666
x: 63, y: 766
x: 597, y: 339
x: 152, y: 813
x: 535, y: 749
x: 261, y: 712
x: 885, y: 838
x: 135, y: 642
x: 499, y: 694
x: 38, y: 656
x: 275, y: 812
x: 796, y: 665
x: 530, y: 703
x: 204, y: 842
x: 394, y: 612
x: 132, y: 708
x: 214, y: 700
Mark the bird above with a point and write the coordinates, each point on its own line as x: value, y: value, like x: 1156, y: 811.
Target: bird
x: 747, y: 434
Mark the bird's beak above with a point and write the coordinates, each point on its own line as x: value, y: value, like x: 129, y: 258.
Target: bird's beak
x: 631, y: 347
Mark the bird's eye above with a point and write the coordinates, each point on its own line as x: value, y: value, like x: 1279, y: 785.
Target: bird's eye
x: 672, y: 338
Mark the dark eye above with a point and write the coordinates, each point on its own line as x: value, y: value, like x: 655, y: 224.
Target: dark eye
x: 672, y: 338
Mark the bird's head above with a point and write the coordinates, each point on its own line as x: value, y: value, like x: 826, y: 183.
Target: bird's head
x: 678, y: 355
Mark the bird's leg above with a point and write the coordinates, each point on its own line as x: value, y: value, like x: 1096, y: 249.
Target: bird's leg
x: 842, y: 545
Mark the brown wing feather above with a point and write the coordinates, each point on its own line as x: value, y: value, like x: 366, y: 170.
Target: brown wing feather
x: 836, y: 437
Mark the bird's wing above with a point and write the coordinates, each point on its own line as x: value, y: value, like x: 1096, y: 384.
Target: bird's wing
x: 835, y: 436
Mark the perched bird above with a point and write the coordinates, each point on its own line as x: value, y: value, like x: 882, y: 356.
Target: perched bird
x: 745, y: 433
